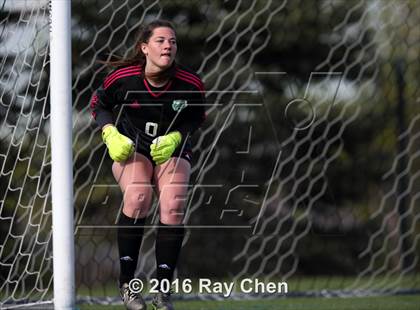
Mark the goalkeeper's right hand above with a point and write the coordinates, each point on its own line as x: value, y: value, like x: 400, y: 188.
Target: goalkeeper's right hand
x: 120, y: 147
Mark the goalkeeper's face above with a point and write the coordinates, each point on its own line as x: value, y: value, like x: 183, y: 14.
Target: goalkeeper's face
x: 160, y: 50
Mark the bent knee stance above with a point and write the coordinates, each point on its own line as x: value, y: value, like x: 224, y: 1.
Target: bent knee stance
x: 137, y: 202
x: 172, y: 211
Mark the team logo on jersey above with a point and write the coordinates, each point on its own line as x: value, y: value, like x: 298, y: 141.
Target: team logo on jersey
x: 178, y: 105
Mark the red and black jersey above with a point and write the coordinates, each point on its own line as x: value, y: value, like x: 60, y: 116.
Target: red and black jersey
x: 143, y: 112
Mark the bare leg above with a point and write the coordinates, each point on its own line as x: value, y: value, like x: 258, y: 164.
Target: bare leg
x: 172, y: 179
x: 134, y: 178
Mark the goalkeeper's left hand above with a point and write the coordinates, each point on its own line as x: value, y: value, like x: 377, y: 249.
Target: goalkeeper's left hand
x: 163, y: 147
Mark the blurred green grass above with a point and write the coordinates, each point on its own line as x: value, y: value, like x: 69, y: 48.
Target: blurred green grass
x: 411, y: 302
x: 302, y: 284
x: 295, y: 284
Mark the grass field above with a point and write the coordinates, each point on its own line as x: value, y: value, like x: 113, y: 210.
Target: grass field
x: 301, y: 284
x: 108, y: 293
x: 295, y: 284
x: 411, y: 302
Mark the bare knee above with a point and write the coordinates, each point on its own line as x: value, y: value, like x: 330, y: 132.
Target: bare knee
x: 172, y: 211
x: 136, y: 203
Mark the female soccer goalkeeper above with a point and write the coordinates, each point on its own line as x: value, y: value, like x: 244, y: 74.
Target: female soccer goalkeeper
x: 160, y: 106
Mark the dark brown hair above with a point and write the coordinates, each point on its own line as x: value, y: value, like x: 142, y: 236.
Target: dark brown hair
x: 137, y: 57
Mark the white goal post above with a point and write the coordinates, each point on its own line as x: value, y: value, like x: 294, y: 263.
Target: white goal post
x: 61, y: 155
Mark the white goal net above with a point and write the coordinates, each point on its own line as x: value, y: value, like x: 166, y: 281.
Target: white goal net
x: 306, y: 171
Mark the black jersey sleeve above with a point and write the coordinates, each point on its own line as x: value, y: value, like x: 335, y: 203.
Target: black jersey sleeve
x: 109, y: 94
x: 102, y: 103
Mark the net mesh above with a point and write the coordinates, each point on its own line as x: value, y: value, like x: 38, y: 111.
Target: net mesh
x: 269, y: 200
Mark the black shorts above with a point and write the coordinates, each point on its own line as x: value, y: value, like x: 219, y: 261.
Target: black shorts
x: 143, y: 142
x: 179, y: 152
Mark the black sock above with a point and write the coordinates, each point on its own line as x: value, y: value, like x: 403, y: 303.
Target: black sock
x: 129, y: 242
x: 168, y: 246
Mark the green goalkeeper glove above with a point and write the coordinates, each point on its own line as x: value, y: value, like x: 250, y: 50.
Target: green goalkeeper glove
x: 163, y: 147
x: 120, y: 147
